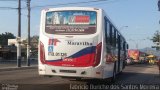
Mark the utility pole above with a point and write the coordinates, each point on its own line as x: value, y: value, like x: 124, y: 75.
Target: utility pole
x: 28, y: 42
x: 19, y: 35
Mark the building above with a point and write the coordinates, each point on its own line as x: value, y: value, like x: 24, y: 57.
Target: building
x: 14, y: 42
x: 10, y: 52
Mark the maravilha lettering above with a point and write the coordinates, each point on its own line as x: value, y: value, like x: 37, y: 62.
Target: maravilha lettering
x: 80, y: 43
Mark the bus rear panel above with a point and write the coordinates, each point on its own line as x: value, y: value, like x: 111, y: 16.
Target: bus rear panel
x: 70, y: 44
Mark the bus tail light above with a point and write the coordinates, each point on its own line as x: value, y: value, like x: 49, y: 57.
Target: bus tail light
x: 42, y: 53
x: 97, y: 54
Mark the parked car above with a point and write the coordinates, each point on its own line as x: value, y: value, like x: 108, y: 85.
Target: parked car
x: 130, y: 61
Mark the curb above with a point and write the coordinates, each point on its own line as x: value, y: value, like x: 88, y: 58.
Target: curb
x: 18, y: 68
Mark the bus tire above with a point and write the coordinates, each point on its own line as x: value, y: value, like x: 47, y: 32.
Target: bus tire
x: 113, y: 79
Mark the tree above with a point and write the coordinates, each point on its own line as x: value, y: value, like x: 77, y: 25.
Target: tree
x: 156, y: 39
x: 34, y: 41
x: 4, y: 38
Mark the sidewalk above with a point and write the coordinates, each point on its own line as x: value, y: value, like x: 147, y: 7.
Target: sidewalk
x: 8, y: 65
x: 18, y: 68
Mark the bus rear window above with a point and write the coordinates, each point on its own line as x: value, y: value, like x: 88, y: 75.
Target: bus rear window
x: 71, y: 22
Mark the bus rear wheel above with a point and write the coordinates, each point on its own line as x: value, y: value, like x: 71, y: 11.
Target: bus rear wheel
x: 113, y: 78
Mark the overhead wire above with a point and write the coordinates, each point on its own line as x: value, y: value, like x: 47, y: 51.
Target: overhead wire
x: 12, y: 0
x: 9, y: 8
x: 71, y: 3
x: 58, y: 4
x: 100, y: 3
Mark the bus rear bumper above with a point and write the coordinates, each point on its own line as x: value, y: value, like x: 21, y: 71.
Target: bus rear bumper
x: 83, y: 72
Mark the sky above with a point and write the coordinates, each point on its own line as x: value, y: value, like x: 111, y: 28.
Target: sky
x: 137, y: 20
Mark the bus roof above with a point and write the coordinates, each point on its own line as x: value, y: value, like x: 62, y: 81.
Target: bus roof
x: 71, y: 8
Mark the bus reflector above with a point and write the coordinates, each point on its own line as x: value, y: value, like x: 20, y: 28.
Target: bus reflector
x: 97, y: 54
x: 98, y: 72
x: 42, y: 53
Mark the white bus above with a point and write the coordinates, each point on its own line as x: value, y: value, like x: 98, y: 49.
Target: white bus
x: 80, y: 42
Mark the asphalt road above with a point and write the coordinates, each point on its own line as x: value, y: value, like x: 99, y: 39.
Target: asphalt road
x: 28, y: 79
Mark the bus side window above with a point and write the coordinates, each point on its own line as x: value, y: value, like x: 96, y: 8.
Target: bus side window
x: 119, y: 42
x: 127, y: 46
x: 106, y: 27
x: 114, y: 38
x: 124, y: 46
x: 110, y: 34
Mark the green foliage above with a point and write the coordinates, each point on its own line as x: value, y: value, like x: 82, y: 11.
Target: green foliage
x: 34, y: 42
x: 4, y: 38
x: 35, y: 37
x: 156, y: 37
